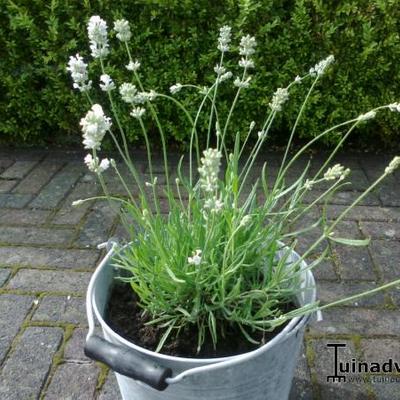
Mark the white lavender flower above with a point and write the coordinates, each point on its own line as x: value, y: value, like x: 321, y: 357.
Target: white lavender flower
x: 242, y: 84
x: 133, y: 66
x: 245, y: 221
x: 246, y: 63
x: 137, y: 112
x: 247, y: 46
x: 78, y: 69
x: 393, y: 165
x: 336, y: 172
x: 97, y: 32
x: 227, y: 75
x: 175, y: 88
x: 94, y: 126
x: 281, y: 96
x: 261, y: 134
x: 214, y: 205
x: 395, y: 107
x: 367, y: 116
x: 121, y: 26
x: 219, y: 69
x: 308, y: 184
x: 252, y: 125
x: 128, y: 92
x: 297, y: 79
x: 107, y: 83
x: 94, y: 165
x: 320, y: 68
x: 224, y: 38
x: 209, y: 170
x: 196, y: 258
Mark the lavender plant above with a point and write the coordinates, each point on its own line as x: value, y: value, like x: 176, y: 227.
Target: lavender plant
x: 211, y: 261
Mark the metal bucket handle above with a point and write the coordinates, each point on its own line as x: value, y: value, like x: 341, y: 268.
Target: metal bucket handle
x: 129, y: 363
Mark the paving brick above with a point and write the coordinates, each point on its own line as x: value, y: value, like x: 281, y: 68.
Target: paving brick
x: 386, y: 255
x: 381, y: 230
x: 74, y: 348
x: 18, y: 170
x: 33, y: 235
x: 58, y: 187
x: 301, y: 386
x: 110, y: 390
x: 386, y: 387
x: 23, y: 217
x: 329, y: 292
x: 73, y: 382
x: 4, y: 274
x: 51, y: 258
x: 14, y: 200
x: 38, y: 177
x: 365, y: 213
x: 27, y: 367
x: 324, y: 366
x: 344, y: 198
x: 389, y: 192
x: 341, y: 320
x: 61, y: 309
x: 70, y: 215
x: 44, y: 281
x: 5, y: 163
x: 380, y: 350
x: 354, y: 263
x: 325, y: 270
x: 13, y: 309
x: 7, y: 184
x: 97, y: 228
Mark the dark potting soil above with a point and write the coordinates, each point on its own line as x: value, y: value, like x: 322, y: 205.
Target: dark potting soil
x: 125, y: 317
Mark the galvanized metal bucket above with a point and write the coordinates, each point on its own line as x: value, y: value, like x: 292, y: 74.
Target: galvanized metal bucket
x: 265, y: 373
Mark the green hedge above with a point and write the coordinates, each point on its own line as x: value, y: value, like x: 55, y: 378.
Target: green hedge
x: 176, y: 42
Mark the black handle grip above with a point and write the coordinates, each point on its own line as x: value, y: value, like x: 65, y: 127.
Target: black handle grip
x: 127, y: 362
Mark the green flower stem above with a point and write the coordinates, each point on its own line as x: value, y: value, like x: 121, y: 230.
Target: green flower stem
x: 299, y: 115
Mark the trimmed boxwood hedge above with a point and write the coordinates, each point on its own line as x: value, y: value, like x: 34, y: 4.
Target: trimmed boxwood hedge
x: 176, y: 42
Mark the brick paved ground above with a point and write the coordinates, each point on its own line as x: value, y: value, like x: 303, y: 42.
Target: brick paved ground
x: 48, y: 252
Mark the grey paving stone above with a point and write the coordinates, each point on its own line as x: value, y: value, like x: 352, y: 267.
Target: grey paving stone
x: 110, y: 390
x: 4, y: 274
x: 97, y: 228
x: 51, y: 258
x: 324, y: 366
x: 73, y: 382
x: 26, y: 368
x: 365, y: 213
x: 386, y: 387
x: 58, y: 187
x: 14, y: 200
x: 389, y: 192
x: 61, y: 309
x: 381, y: 230
x: 38, y: 177
x: 74, y: 348
x: 33, y: 235
x: 301, y: 386
x: 44, y: 281
x: 380, y: 350
x: 329, y: 292
x: 7, y: 184
x: 18, y: 170
x: 23, y: 217
x: 354, y: 263
x: 325, y: 270
x: 342, y: 320
x: 5, y: 163
x: 345, y: 198
x: 70, y: 215
x: 386, y: 255
x: 13, y: 309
